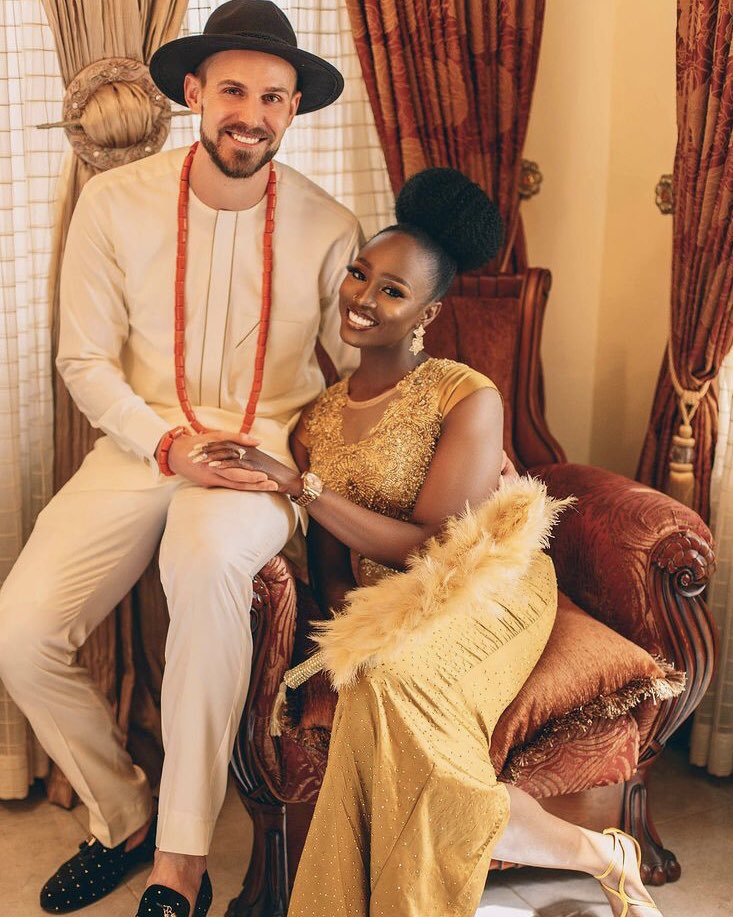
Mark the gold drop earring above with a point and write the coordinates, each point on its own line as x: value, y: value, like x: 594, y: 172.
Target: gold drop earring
x: 417, y: 339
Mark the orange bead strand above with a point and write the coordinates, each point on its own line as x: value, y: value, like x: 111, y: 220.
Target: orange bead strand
x: 180, y: 298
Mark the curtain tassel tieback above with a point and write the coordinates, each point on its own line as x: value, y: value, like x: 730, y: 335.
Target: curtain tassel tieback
x: 681, y: 478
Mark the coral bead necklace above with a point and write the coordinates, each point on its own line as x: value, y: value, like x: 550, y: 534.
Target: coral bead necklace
x: 180, y: 288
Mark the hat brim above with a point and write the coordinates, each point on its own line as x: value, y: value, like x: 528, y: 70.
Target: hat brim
x: 319, y: 82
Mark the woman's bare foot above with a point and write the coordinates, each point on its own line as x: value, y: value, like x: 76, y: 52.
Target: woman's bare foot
x: 620, y: 851
x: 179, y: 871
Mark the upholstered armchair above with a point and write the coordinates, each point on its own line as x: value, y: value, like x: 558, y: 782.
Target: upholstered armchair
x: 582, y: 734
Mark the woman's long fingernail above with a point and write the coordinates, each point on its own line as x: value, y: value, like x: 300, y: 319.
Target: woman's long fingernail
x: 199, y: 458
x: 215, y: 464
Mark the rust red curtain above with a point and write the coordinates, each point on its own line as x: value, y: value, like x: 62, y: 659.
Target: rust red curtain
x: 450, y: 82
x: 679, y: 448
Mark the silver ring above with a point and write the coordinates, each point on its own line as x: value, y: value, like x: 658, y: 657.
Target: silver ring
x: 242, y: 453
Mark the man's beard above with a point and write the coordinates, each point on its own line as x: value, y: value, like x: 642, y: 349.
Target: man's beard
x: 244, y: 163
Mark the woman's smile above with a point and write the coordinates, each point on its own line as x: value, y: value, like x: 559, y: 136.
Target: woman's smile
x: 359, y: 321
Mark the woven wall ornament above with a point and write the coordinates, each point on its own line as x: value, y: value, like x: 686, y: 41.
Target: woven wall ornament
x: 664, y: 194
x: 114, y: 113
x: 530, y: 179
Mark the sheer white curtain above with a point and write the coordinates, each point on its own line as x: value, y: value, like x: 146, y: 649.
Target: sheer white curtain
x: 30, y: 160
x: 712, y: 732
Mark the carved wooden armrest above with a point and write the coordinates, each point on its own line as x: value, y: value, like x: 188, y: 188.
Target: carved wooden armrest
x: 639, y: 561
x: 256, y: 758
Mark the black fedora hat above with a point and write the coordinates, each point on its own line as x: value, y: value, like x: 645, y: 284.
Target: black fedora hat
x: 247, y: 25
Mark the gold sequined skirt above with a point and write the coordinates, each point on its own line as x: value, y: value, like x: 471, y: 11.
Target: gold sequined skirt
x: 410, y: 808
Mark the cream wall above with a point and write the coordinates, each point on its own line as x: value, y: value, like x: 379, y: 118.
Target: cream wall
x: 603, y: 130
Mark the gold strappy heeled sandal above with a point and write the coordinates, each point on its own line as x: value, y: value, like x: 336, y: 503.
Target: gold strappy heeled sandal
x: 620, y: 892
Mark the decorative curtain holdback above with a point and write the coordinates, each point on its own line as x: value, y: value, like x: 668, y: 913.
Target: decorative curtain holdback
x: 113, y: 113
x: 481, y: 557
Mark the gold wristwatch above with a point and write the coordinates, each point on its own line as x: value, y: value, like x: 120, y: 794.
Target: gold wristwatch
x: 312, y: 489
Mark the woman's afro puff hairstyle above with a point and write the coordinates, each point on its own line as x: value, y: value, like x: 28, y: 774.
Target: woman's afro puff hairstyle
x: 453, y: 219
x: 455, y: 212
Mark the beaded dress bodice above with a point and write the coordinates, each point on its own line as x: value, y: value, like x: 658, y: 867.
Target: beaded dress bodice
x: 385, y: 470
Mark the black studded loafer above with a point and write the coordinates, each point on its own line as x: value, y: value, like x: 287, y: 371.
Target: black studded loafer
x: 93, y: 872
x: 161, y: 901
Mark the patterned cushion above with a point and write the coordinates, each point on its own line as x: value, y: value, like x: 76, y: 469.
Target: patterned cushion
x: 605, y: 753
x: 584, y: 661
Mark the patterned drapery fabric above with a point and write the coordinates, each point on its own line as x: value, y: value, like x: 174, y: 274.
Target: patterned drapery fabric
x: 702, y: 260
x: 451, y: 85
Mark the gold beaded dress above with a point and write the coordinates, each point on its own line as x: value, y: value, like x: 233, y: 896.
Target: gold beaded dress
x: 410, y: 807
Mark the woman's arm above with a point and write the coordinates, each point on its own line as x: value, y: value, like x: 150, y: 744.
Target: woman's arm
x: 465, y: 470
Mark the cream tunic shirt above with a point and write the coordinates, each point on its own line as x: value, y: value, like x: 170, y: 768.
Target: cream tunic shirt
x: 117, y: 305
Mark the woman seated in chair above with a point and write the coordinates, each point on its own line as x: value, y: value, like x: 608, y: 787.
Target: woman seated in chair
x: 400, y: 468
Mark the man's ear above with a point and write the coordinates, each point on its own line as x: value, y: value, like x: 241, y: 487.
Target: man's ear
x: 294, y: 106
x: 432, y: 312
x: 192, y: 92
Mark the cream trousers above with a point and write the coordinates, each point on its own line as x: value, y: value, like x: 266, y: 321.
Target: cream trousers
x: 89, y: 546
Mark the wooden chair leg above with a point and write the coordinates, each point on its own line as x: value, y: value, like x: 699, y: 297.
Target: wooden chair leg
x: 658, y: 865
x: 265, y: 890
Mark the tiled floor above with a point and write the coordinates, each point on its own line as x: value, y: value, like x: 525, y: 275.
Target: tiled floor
x: 694, y: 814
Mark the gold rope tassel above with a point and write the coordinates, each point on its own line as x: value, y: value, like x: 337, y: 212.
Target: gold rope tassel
x: 681, y: 477
x: 292, y: 679
x: 276, y: 720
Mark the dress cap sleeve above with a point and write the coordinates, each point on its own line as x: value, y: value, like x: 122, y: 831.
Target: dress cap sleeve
x: 458, y: 383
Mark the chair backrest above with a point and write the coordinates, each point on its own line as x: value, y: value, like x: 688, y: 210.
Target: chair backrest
x: 494, y: 324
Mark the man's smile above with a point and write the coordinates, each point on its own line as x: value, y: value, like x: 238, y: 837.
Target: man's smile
x: 248, y: 140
